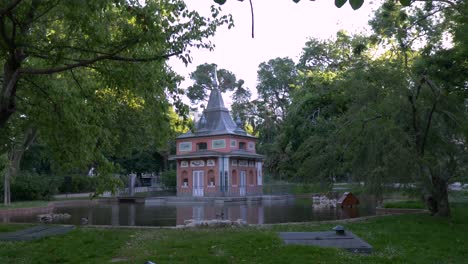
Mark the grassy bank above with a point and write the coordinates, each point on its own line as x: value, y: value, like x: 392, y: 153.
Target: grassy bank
x: 24, y: 204
x: 31, y: 204
x: 396, y: 239
x: 406, y: 204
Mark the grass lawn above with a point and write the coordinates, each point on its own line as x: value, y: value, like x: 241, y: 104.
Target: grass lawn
x: 24, y: 204
x: 413, y: 238
x: 406, y: 204
x: 29, y: 204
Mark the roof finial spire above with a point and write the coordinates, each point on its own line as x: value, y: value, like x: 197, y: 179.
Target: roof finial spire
x: 215, y: 77
x: 238, y: 121
x: 202, y: 121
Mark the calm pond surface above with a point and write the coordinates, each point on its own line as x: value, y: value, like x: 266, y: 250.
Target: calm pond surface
x: 171, y: 214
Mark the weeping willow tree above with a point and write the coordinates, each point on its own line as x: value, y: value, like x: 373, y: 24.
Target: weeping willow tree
x: 397, y: 116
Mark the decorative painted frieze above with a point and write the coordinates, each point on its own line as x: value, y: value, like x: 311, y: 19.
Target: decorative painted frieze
x: 185, y: 146
x: 243, y: 163
x: 218, y: 143
x: 251, y: 146
x: 197, y: 163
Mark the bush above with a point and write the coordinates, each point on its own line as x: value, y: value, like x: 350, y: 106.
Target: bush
x: 169, y: 178
x: 307, y: 188
x: 277, y: 188
x: 78, y: 184
x: 28, y: 186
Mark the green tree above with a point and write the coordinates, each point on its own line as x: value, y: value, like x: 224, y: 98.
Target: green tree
x: 49, y: 37
x: 355, y: 4
x: 203, y: 82
x: 276, y: 79
x: 397, y: 117
x: 242, y: 105
x: 73, y: 71
x: 334, y: 54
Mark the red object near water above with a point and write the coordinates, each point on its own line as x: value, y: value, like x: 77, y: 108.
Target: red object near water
x: 348, y: 200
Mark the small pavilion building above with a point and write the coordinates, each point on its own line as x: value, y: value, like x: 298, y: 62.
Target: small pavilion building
x: 219, y: 158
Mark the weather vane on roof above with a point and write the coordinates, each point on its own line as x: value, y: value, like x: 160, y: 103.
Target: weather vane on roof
x: 215, y: 78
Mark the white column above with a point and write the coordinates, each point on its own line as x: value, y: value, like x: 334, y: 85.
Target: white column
x: 259, y: 173
x: 226, y: 171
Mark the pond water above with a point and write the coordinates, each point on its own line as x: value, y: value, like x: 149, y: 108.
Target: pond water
x: 172, y: 214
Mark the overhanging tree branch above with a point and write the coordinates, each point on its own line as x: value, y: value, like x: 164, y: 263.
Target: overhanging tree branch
x: 442, y: 1
x: 84, y: 63
x: 161, y: 57
x: 8, y: 42
x: 10, y: 87
x: 37, y: 17
x: 436, y: 91
x: 9, y: 7
x: 252, y: 12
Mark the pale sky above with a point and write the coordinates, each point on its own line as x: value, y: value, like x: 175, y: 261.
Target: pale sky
x: 281, y: 29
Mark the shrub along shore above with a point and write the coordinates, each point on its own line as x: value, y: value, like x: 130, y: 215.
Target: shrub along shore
x: 413, y: 238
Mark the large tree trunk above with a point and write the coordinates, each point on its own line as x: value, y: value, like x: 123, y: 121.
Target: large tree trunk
x: 437, y: 194
x: 11, y: 76
x: 13, y: 163
x: 11, y: 172
x: 6, y: 187
x: 437, y: 202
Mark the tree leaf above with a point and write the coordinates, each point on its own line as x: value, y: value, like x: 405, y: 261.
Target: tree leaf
x: 340, y: 3
x: 405, y: 2
x: 356, y: 4
x: 220, y: 2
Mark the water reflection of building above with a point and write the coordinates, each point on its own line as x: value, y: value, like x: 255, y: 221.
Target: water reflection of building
x: 348, y: 212
x: 252, y: 214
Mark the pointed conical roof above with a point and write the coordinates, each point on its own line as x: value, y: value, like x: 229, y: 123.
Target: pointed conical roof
x: 216, y: 119
x: 216, y: 100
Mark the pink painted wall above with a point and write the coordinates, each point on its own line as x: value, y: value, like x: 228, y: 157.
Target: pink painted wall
x: 251, y: 174
x: 208, y: 140
x: 189, y: 174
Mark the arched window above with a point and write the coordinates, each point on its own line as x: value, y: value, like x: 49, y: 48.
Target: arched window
x: 185, y: 179
x: 211, y: 178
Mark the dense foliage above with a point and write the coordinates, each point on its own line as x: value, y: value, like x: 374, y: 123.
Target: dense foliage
x: 29, y: 186
x: 169, y: 178
x: 381, y: 109
x: 355, y: 4
x: 72, y: 79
